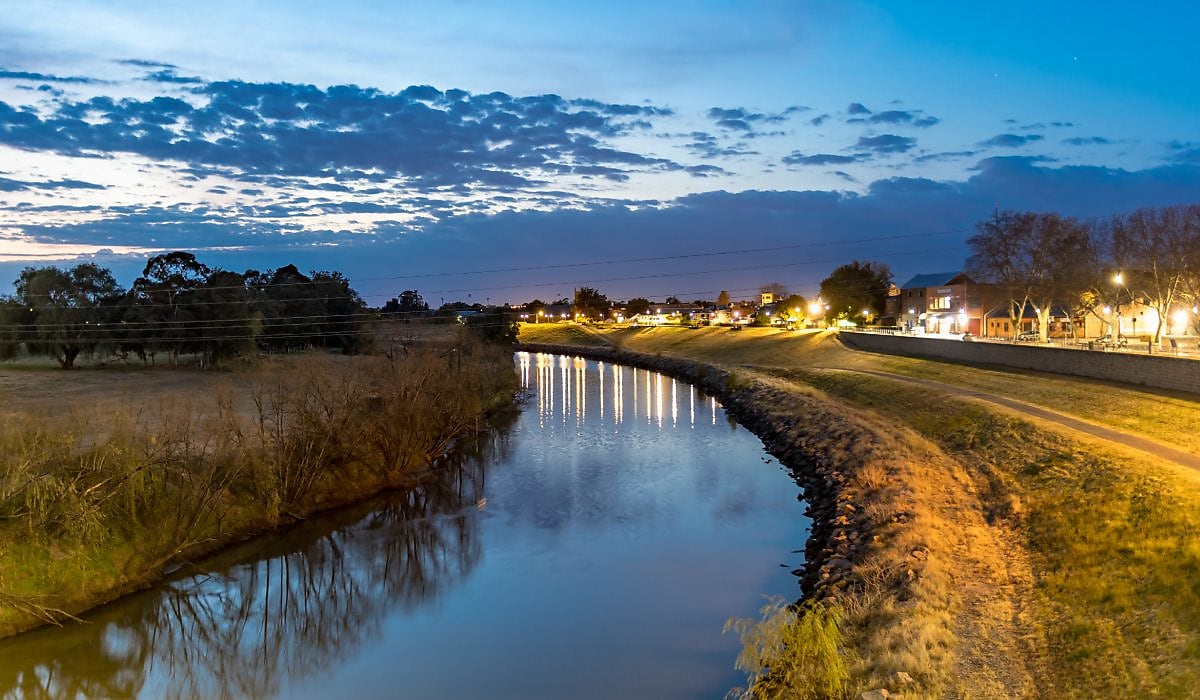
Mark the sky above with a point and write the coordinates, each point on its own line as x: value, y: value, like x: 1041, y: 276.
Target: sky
x: 498, y: 152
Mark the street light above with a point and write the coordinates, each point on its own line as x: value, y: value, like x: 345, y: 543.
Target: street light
x: 1115, y: 331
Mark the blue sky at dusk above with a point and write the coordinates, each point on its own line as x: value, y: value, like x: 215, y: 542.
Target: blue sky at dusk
x: 512, y: 150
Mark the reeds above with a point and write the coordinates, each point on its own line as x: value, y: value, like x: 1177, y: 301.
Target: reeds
x: 149, y: 485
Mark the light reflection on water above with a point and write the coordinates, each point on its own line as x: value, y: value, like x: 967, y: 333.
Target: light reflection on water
x: 593, y: 548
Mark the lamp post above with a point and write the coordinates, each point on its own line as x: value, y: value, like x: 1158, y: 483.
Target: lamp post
x: 1115, y: 332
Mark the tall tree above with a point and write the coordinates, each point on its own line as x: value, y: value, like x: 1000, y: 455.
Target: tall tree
x: 162, y: 313
x: 590, y: 303
x: 1027, y: 254
x: 793, y: 305
x: 1157, y: 247
x: 635, y: 306
x: 723, y: 298
x: 70, y: 310
x: 854, y: 287
x: 406, y: 304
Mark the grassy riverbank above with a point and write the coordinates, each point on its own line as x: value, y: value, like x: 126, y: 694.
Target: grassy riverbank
x: 98, y: 497
x: 1007, y: 557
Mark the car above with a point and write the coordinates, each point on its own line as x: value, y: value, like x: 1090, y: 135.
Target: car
x: 1106, y: 341
x: 968, y: 337
x: 1028, y: 336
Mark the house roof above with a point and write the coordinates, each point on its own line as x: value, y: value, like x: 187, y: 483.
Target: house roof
x: 932, y: 279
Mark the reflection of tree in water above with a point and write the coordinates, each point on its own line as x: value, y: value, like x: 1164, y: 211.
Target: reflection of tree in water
x: 306, y: 601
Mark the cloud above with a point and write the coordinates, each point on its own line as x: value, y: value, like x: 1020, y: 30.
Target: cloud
x: 48, y: 78
x: 428, y: 136
x: 1087, y: 141
x: 922, y: 210
x: 859, y: 114
x: 1184, y: 153
x: 944, y: 155
x: 706, y: 145
x: 10, y: 185
x: 141, y: 63
x: 705, y: 170
x: 797, y: 158
x: 818, y: 120
x: 886, y: 143
x: 168, y: 75
x: 741, y: 119
x: 1010, y: 140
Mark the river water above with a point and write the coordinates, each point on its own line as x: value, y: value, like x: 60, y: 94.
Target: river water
x: 591, y: 548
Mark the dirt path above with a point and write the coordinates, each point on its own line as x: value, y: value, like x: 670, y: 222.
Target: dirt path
x: 1119, y: 437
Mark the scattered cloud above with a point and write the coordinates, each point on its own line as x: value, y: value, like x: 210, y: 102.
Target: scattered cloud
x: 168, y: 75
x: 47, y: 77
x: 797, y: 158
x: 944, y: 155
x: 1184, y: 152
x: 705, y: 170
x: 10, y: 185
x: 1010, y: 140
x: 708, y: 146
x: 886, y: 143
x: 142, y: 63
x: 1087, y: 141
x: 741, y: 119
x: 857, y: 108
x: 818, y: 120
x: 428, y: 136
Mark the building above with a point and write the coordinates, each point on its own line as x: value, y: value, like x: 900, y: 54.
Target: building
x: 945, y: 302
x: 999, y: 322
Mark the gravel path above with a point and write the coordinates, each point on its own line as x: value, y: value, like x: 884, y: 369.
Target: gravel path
x: 1136, y: 442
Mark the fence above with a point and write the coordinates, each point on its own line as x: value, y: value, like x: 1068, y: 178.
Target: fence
x: 1160, y: 371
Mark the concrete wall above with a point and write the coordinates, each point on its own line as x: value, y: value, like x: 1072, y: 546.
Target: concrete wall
x: 1159, y: 371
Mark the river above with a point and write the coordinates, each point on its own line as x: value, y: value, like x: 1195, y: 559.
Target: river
x: 592, y: 547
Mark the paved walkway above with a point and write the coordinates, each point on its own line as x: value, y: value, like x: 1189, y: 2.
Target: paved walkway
x: 1156, y: 449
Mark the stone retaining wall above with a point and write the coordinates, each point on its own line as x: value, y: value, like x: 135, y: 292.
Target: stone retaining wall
x: 1158, y: 371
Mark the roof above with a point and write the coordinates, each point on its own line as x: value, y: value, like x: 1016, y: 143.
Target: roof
x: 932, y: 279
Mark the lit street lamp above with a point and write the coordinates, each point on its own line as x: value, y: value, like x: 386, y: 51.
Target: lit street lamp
x: 1115, y: 331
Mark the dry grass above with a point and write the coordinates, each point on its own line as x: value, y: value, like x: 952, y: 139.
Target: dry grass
x: 93, y: 503
x: 563, y: 334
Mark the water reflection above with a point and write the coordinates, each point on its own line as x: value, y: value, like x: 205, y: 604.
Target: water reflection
x: 562, y: 395
x: 291, y: 606
x: 592, y: 549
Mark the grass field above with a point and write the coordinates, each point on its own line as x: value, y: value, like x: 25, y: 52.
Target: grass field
x: 1090, y: 551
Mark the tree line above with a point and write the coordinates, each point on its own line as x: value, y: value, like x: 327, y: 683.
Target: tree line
x: 178, y: 306
x: 1085, y: 267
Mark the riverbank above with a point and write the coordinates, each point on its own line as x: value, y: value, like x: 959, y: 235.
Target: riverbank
x: 1003, y: 557
x: 99, y: 500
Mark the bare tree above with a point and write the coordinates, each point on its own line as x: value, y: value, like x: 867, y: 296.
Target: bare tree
x: 1157, y: 246
x: 1030, y: 257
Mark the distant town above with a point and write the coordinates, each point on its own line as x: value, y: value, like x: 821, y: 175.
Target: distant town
x: 1134, y: 279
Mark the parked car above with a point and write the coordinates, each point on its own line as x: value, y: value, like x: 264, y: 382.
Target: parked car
x: 1106, y: 341
x: 1028, y: 336
x: 968, y: 337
